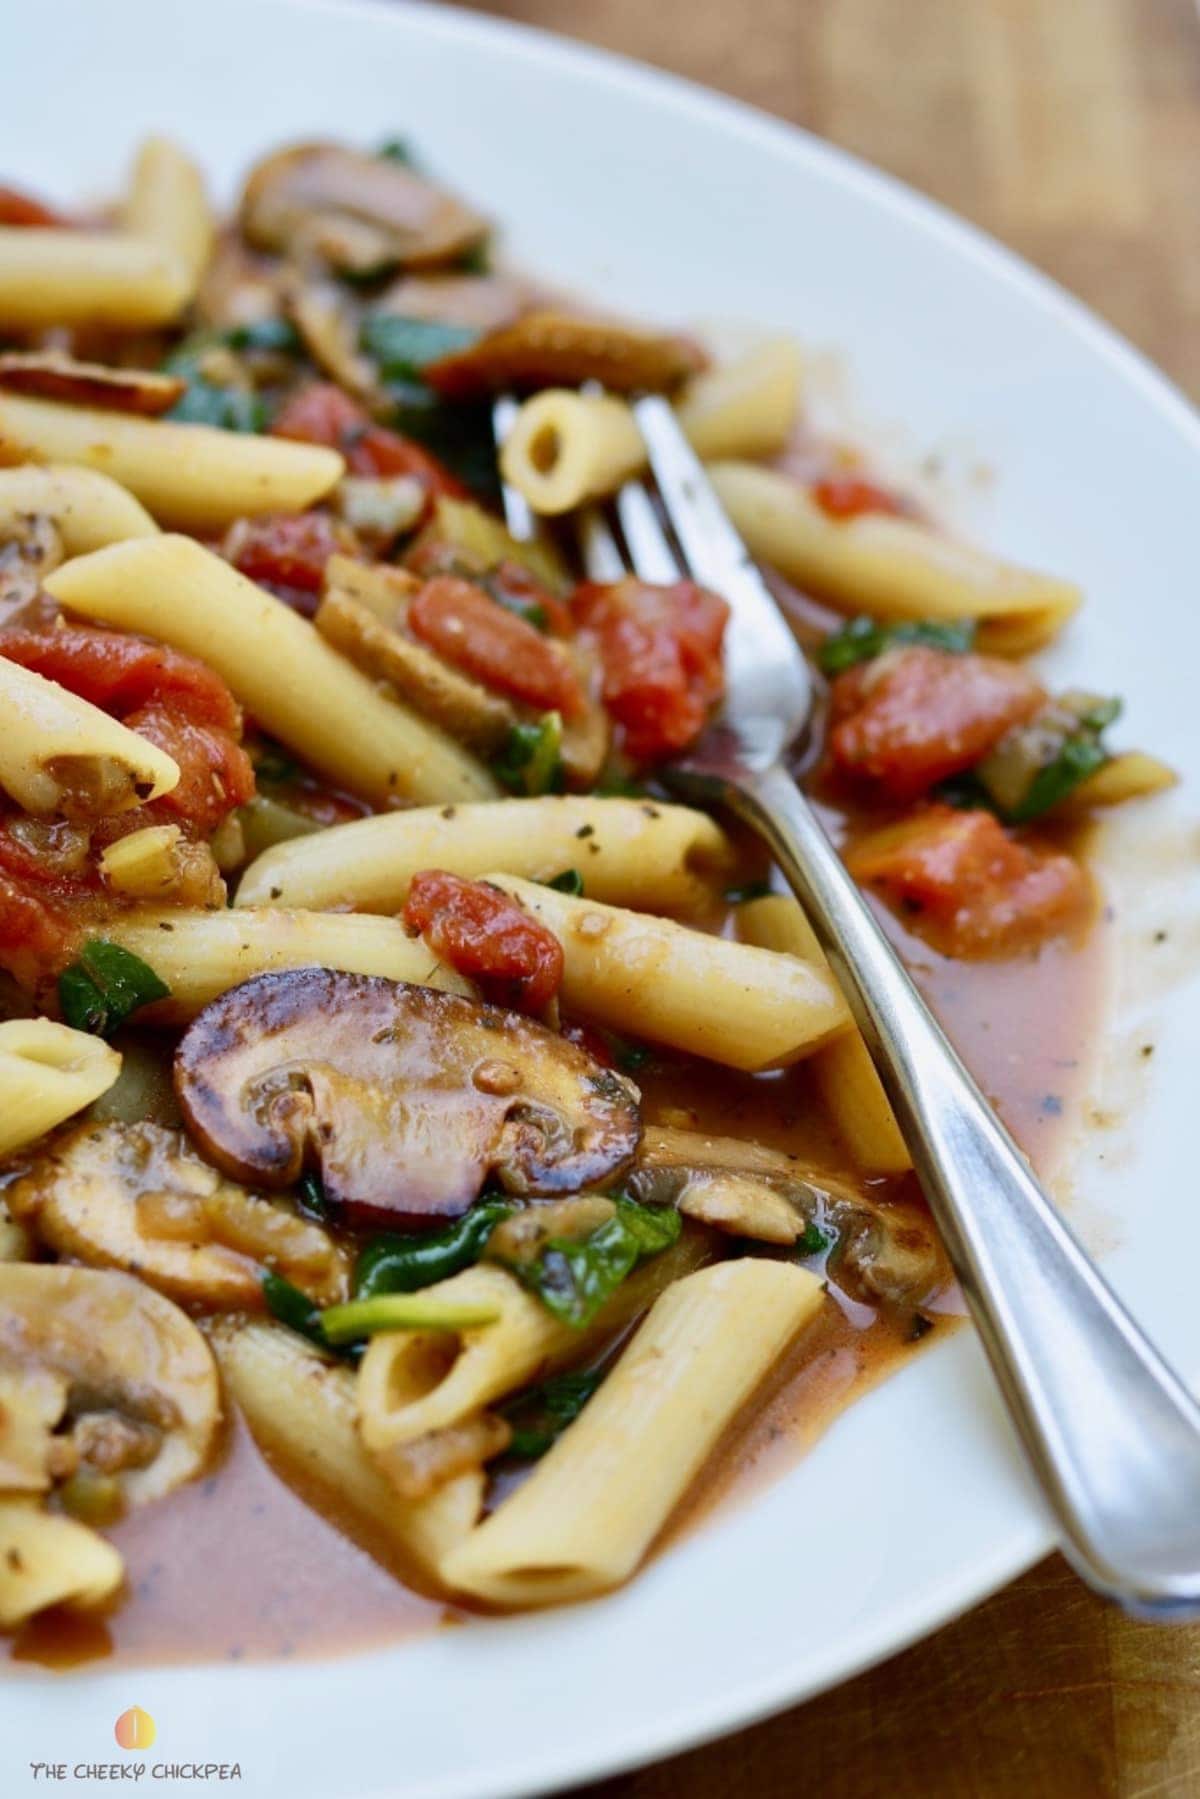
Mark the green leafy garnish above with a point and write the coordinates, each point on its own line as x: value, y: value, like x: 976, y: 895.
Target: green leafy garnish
x: 310, y: 1195
x: 277, y: 335
x: 228, y: 408
x: 293, y: 1308
x: 574, y: 1279
x: 395, y: 1263
x: 813, y: 1241
x: 1035, y: 767
x: 403, y: 347
x: 752, y: 890
x: 861, y: 640
x: 104, y: 985
x: 399, y: 1312
x: 630, y: 1056
x: 569, y: 881
x: 275, y: 766
x: 1080, y: 756
x: 530, y: 760
x: 398, y: 149
x: 459, y: 435
x: 538, y: 1418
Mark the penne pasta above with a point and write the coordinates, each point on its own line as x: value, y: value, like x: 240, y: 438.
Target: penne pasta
x: 53, y: 276
x: 48, y: 1072
x: 665, y: 858
x: 59, y: 753
x: 1131, y: 775
x: 746, y: 407
x: 590, y: 1510
x: 87, y: 509
x: 166, y: 206
x: 565, y: 448
x: 746, y: 1007
x: 414, y: 1382
x: 277, y: 665
x: 842, y: 1071
x: 201, y: 954
x: 893, y: 568
x: 47, y: 1559
x: 301, y: 1411
x: 193, y: 476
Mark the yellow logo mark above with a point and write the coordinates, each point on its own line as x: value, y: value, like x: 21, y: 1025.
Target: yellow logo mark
x: 135, y: 1729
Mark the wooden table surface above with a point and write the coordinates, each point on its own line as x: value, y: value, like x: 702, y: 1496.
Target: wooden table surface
x: 1071, y: 130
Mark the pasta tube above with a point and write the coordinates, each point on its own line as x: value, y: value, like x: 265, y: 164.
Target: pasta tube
x: 1131, y: 775
x: 628, y: 853
x: 843, y: 1071
x: 51, y: 276
x: 47, y: 1559
x: 301, y: 1410
x: 167, y: 207
x: 746, y: 407
x: 59, y: 753
x: 201, y: 954
x: 48, y: 1072
x: 565, y: 448
x: 732, y: 1002
x: 193, y: 476
x: 276, y: 664
x: 893, y: 568
x: 590, y: 1510
x: 87, y: 510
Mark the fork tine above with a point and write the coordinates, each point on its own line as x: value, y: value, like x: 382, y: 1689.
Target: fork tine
x: 518, y: 513
x: 601, y: 554
x: 649, y: 548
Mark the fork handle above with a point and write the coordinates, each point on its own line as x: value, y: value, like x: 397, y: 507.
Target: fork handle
x: 1113, y: 1434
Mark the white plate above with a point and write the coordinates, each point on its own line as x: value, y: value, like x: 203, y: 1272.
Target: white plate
x: 660, y: 198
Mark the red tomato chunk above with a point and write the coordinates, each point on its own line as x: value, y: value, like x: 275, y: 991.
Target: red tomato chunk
x: 286, y: 550
x: 964, y: 882
x: 914, y: 716
x: 17, y: 208
x: 466, y: 626
x: 849, y: 496
x: 660, y: 648
x: 515, y: 961
x: 121, y: 674
x: 322, y: 414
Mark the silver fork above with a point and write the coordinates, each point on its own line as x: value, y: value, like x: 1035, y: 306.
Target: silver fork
x: 1112, y: 1432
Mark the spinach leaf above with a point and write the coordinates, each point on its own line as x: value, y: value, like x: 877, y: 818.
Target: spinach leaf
x: 1035, y: 767
x: 538, y: 1418
x: 310, y: 1198
x: 862, y: 640
x: 398, y: 149
x: 1080, y: 756
x: 278, y: 335
x: 228, y: 408
x: 530, y: 759
x: 458, y: 434
x: 574, y: 1279
x: 569, y: 881
x: 396, y: 1263
x: 814, y: 1241
x: 104, y: 985
x: 293, y: 1308
x: 403, y: 346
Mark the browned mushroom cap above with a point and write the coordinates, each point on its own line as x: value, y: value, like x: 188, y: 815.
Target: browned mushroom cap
x: 547, y: 349
x: 359, y: 212
x: 406, y: 1100
x: 51, y: 375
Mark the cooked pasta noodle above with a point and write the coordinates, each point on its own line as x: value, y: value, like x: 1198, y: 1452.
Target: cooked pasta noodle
x: 50, y: 276
x: 746, y: 1007
x: 87, y: 509
x: 296, y: 686
x: 893, y: 568
x: 46, y: 1559
x: 590, y: 1510
x: 167, y: 206
x: 58, y: 752
x: 565, y: 448
x: 48, y: 1072
x: 746, y: 407
x: 665, y: 858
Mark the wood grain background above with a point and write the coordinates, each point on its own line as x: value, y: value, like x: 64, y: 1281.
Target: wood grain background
x: 1071, y: 130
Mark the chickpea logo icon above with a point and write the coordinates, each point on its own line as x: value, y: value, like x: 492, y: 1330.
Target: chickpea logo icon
x: 135, y: 1729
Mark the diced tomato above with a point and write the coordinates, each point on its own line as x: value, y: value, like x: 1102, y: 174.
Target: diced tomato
x: 322, y: 413
x: 963, y: 881
x: 46, y: 882
x: 914, y: 716
x: 286, y: 549
x: 849, y: 496
x: 466, y: 626
x: 661, y: 652
x: 524, y: 591
x: 120, y: 674
x: 215, y: 773
x: 486, y: 936
x: 17, y: 208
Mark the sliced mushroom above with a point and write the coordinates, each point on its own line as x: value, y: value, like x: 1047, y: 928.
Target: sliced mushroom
x: 362, y: 614
x: 52, y: 375
x: 476, y: 302
x: 378, y: 508
x: 548, y: 349
x: 121, y: 1349
x: 361, y: 213
x: 405, y: 1099
x: 887, y: 1253
x: 30, y: 546
x: 419, y: 1468
x: 138, y: 1197
x: 46, y: 1559
x: 319, y: 312
x: 32, y: 1401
